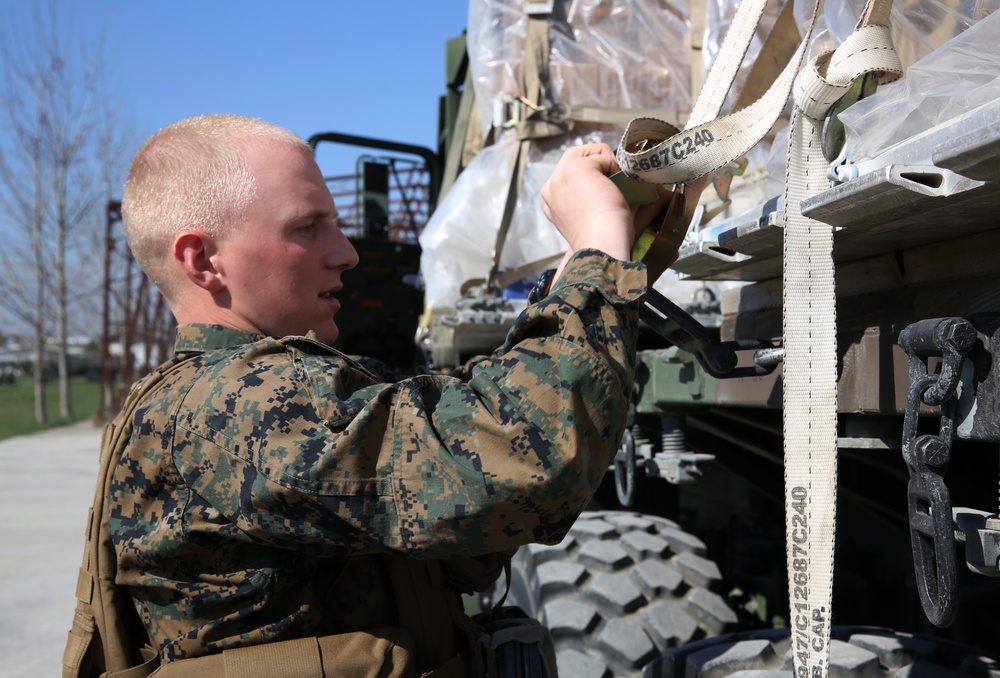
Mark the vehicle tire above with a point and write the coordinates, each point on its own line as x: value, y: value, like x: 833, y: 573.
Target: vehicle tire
x: 618, y: 591
x: 854, y: 651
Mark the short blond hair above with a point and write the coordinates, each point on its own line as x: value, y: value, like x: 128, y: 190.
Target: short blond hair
x: 192, y: 174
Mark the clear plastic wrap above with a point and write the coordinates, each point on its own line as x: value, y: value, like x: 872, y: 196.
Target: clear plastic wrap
x: 614, y: 53
x: 457, y: 245
x: 718, y: 17
x: 954, y: 79
x: 608, y: 53
x: 620, y: 54
x: 918, y: 26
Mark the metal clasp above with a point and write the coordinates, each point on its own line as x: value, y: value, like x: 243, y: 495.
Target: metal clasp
x: 510, y: 111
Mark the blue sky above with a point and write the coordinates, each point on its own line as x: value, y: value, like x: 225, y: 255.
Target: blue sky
x: 371, y: 68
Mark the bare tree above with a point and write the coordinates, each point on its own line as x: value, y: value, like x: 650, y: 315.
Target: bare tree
x: 57, y: 131
x: 23, y: 176
x: 114, y: 147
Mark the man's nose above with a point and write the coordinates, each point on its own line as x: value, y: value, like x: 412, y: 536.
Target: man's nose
x: 342, y: 252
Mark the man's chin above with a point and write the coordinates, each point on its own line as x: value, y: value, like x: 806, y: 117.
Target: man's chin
x: 324, y: 330
x: 328, y: 335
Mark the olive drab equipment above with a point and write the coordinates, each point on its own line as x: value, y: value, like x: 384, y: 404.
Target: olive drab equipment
x: 107, y: 638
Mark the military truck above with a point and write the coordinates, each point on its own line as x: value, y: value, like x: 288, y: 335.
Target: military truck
x: 680, y: 565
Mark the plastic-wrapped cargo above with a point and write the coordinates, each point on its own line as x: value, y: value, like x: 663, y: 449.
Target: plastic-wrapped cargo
x: 919, y: 28
x: 625, y: 54
x: 609, y: 53
x: 612, y: 53
x: 948, y: 82
x: 634, y: 54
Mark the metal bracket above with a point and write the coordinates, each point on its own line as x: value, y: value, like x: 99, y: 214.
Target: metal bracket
x: 980, y: 531
x: 678, y: 468
x: 718, y: 358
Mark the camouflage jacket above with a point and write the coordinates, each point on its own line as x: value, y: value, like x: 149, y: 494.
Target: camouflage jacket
x: 266, y: 478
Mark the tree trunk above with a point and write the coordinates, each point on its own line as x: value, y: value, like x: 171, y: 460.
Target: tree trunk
x: 38, y: 248
x: 38, y: 371
x: 65, y: 403
x: 58, y: 138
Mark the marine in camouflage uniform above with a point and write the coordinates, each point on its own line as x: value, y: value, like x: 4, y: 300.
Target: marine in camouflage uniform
x: 269, y: 482
x: 276, y: 495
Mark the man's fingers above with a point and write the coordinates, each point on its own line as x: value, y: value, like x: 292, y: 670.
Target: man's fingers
x: 644, y: 214
x: 608, y: 164
x: 601, y: 155
x: 588, y: 209
x: 593, y: 149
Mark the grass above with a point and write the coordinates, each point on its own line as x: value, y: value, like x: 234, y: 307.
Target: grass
x: 17, y: 405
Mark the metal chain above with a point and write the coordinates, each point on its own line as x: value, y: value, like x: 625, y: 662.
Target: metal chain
x: 926, y: 457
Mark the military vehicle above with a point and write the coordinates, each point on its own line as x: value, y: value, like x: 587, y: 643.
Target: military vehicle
x: 681, y: 566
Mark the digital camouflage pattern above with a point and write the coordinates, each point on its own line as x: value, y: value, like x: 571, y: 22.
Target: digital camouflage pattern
x: 269, y: 481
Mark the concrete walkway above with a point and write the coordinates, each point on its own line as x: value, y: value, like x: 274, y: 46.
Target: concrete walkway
x: 46, y: 486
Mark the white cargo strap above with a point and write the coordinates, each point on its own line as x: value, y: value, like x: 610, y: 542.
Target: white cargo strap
x: 653, y: 152
x: 809, y: 304
x: 709, y: 142
x: 810, y: 340
x: 809, y: 404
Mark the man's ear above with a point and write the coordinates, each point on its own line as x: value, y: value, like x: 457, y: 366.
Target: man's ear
x: 194, y: 250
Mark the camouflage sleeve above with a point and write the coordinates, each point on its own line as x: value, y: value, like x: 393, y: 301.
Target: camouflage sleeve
x: 515, y: 453
x: 432, y: 466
